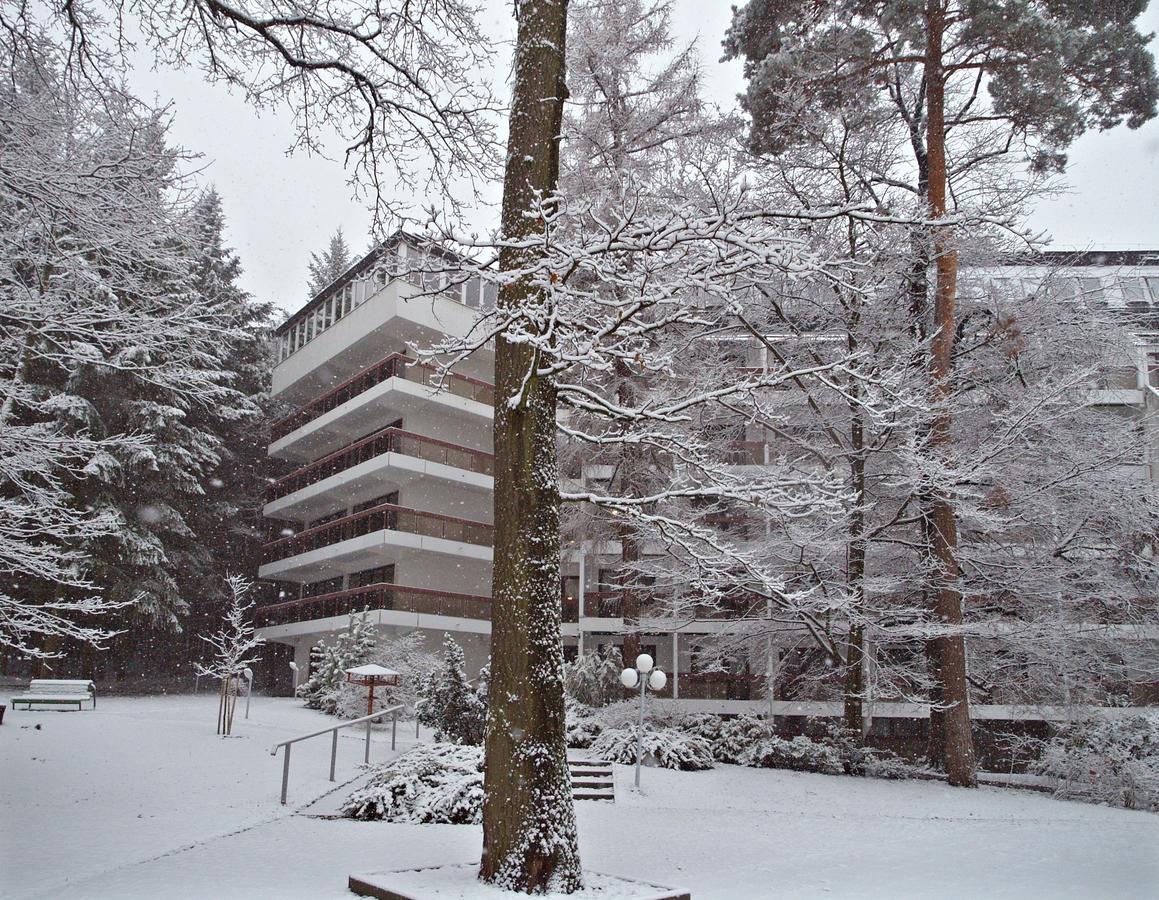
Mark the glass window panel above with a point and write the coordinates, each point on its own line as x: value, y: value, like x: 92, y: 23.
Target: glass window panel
x: 1133, y: 290
x: 1092, y: 288
x: 1152, y: 287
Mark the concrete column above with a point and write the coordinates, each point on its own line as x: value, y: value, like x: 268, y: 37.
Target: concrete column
x: 675, y: 666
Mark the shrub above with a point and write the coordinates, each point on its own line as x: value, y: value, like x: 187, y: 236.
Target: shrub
x: 582, y: 726
x: 594, y: 678
x: 705, y: 725
x: 669, y: 747
x: 737, y: 739
x: 433, y: 783
x: 799, y: 755
x: 1113, y: 761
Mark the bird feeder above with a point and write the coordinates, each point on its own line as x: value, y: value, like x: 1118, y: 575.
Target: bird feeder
x: 371, y: 676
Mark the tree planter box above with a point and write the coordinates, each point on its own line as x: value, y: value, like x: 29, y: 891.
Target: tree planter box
x: 460, y: 882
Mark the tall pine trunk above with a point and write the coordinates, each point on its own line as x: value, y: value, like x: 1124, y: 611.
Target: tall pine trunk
x: 529, y: 832
x: 949, y: 651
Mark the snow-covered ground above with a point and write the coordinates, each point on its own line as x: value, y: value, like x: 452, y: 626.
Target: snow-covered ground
x: 139, y: 799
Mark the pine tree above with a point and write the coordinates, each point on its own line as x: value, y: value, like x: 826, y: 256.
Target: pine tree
x: 969, y: 82
x: 327, y: 267
x: 352, y: 647
x: 447, y: 702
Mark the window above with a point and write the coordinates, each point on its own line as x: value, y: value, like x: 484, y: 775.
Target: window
x: 1134, y: 291
x: 1092, y: 288
x: 327, y: 518
x: 377, y: 575
x: 325, y: 586
x: 472, y: 293
x: 391, y: 498
x: 490, y: 295
x: 1152, y: 287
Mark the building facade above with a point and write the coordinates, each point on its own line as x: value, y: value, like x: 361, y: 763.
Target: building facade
x: 385, y: 503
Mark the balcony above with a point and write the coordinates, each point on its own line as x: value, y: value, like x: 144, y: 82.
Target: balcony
x: 384, y: 518
x: 389, y: 440
x: 610, y: 605
x: 397, y: 365
x: 388, y: 597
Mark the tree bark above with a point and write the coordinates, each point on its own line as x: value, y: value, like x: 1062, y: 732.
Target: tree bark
x: 949, y: 650
x: 529, y: 832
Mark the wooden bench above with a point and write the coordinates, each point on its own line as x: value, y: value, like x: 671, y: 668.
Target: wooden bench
x: 57, y: 692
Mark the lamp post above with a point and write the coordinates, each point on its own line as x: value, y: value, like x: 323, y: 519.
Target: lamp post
x: 249, y: 677
x: 646, y: 677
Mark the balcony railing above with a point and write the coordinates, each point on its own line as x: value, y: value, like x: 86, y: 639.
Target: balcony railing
x: 719, y: 686
x: 375, y: 596
x: 610, y: 605
x: 386, y: 517
x: 389, y: 440
x: 397, y: 365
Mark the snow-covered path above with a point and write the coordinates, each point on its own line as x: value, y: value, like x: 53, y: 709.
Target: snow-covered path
x: 151, y: 804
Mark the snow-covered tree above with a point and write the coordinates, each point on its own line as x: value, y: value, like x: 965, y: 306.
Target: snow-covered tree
x: 99, y: 308
x: 972, y: 87
x: 329, y: 662
x: 594, y: 678
x: 448, y: 703
x: 234, y: 649
x: 327, y: 266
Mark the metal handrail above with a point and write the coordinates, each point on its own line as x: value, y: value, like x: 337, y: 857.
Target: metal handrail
x: 391, y: 711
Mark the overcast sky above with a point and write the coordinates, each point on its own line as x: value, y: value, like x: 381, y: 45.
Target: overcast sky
x: 280, y: 207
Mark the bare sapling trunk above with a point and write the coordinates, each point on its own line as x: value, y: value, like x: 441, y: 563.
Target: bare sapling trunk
x: 529, y: 831
x: 949, y: 650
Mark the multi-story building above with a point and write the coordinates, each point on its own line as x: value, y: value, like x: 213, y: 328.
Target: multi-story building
x: 387, y: 505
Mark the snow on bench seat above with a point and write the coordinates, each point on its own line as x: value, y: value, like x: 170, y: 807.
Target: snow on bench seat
x: 57, y: 692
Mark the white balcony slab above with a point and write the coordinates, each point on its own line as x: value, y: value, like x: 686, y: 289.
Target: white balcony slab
x: 384, y: 617
x: 373, y: 478
x: 386, y: 402
x: 370, y: 550
x: 397, y: 315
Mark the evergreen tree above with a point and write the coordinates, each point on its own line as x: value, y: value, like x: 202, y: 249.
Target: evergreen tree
x: 352, y: 647
x: 447, y: 702
x: 326, y: 267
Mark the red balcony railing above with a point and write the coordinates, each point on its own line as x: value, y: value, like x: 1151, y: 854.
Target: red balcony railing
x: 389, y: 440
x: 386, y: 517
x: 719, y: 686
x: 375, y: 596
x: 397, y: 365
x: 610, y: 605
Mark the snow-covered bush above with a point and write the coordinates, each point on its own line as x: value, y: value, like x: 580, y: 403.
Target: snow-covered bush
x: 594, y: 678
x: 1113, y: 761
x: 582, y: 726
x: 737, y: 739
x: 800, y: 754
x: 627, y: 712
x: 668, y: 748
x: 433, y: 783
x: 705, y: 725
x: 449, y: 704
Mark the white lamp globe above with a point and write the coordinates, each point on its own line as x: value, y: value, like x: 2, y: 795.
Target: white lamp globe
x: 657, y: 680
x: 629, y: 678
x: 644, y: 663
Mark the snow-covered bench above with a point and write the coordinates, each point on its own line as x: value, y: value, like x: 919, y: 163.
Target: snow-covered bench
x: 57, y: 692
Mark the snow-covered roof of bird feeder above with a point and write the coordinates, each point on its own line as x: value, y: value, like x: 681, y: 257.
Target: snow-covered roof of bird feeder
x: 372, y: 674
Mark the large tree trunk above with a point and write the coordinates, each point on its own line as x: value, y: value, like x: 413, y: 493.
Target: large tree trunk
x: 529, y: 832
x: 949, y: 650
